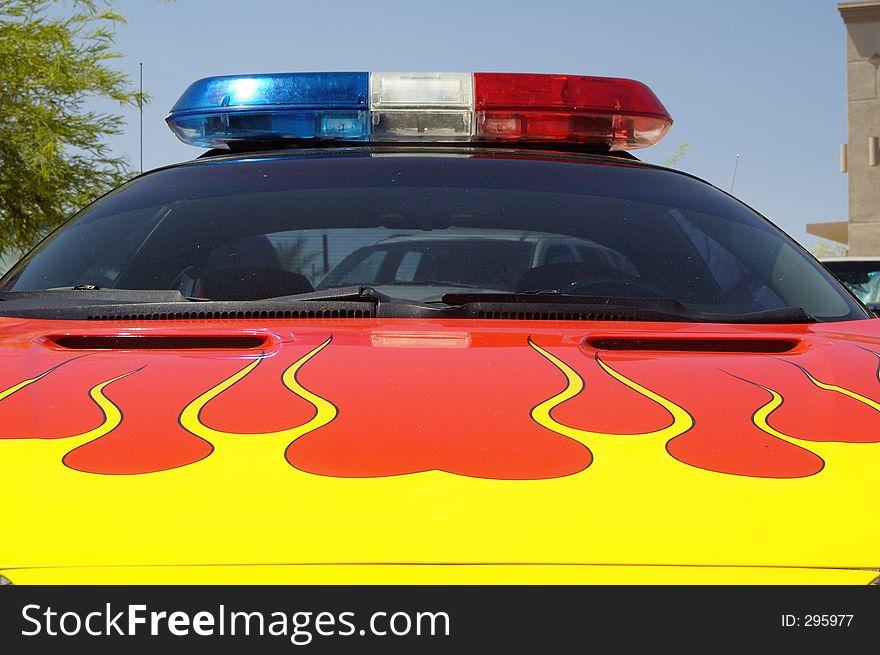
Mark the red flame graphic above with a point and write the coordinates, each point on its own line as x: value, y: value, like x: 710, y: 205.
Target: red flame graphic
x: 463, y: 410
x: 418, y: 409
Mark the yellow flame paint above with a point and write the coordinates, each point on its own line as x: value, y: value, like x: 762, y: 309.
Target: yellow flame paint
x: 21, y: 385
x: 60, y: 446
x: 846, y: 392
x: 681, y: 420
x: 325, y: 411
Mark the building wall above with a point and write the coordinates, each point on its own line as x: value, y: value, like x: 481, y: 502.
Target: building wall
x: 862, y: 21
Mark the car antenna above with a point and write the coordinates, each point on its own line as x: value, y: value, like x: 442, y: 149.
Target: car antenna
x: 141, y: 112
x: 735, y: 166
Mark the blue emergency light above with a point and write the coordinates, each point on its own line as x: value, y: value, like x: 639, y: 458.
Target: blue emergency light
x: 217, y: 110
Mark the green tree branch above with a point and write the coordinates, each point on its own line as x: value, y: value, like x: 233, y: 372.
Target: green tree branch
x: 54, y: 156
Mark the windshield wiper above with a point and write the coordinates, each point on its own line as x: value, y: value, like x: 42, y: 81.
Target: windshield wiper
x: 361, y: 300
x: 777, y: 315
x: 382, y: 305
x: 341, y: 294
x: 94, y: 295
x: 109, y: 304
x: 660, y: 309
x: 556, y: 298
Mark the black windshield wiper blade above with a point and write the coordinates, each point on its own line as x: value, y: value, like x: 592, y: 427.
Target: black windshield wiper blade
x: 383, y: 305
x: 341, y: 294
x: 778, y: 315
x: 556, y: 298
x: 92, y: 295
x: 660, y: 309
x: 151, y: 306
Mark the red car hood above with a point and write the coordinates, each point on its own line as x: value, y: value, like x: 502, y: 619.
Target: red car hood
x: 407, y: 441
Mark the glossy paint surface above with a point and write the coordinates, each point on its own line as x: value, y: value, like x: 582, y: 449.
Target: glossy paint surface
x: 425, y: 442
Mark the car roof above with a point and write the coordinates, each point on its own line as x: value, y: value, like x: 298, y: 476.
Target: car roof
x: 438, y: 148
x: 523, y: 151
x: 539, y: 152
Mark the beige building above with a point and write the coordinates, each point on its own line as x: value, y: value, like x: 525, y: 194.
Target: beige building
x: 860, y: 156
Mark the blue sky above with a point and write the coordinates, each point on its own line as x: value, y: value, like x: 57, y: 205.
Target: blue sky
x: 762, y: 79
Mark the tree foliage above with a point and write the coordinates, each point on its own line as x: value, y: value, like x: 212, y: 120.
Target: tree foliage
x: 677, y: 155
x: 829, y: 249
x: 54, y: 158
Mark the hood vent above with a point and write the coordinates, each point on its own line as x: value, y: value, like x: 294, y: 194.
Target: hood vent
x: 159, y: 342
x: 695, y: 345
x: 233, y: 315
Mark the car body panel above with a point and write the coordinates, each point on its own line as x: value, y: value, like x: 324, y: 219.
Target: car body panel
x: 406, y: 441
x: 861, y: 275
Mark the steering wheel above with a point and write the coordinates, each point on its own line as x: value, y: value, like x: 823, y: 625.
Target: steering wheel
x: 609, y: 286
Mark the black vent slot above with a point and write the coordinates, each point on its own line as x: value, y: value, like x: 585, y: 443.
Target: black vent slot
x: 696, y: 345
x: 558, y: 316
x: 232, y: 315
x: 114, y: 342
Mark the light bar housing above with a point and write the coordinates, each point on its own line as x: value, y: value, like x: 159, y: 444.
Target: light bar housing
x: 415, y: 106
x: 597, y: 110
x: 217, y: 111
x: 602, y: 112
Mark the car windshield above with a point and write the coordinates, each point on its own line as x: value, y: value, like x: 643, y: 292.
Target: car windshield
x: 862, y: 277
x: 418, y: 225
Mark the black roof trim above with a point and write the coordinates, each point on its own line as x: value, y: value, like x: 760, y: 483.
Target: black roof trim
x: 288, y: 146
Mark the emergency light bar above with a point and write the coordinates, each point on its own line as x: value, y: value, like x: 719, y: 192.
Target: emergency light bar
x: 613, y: 113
